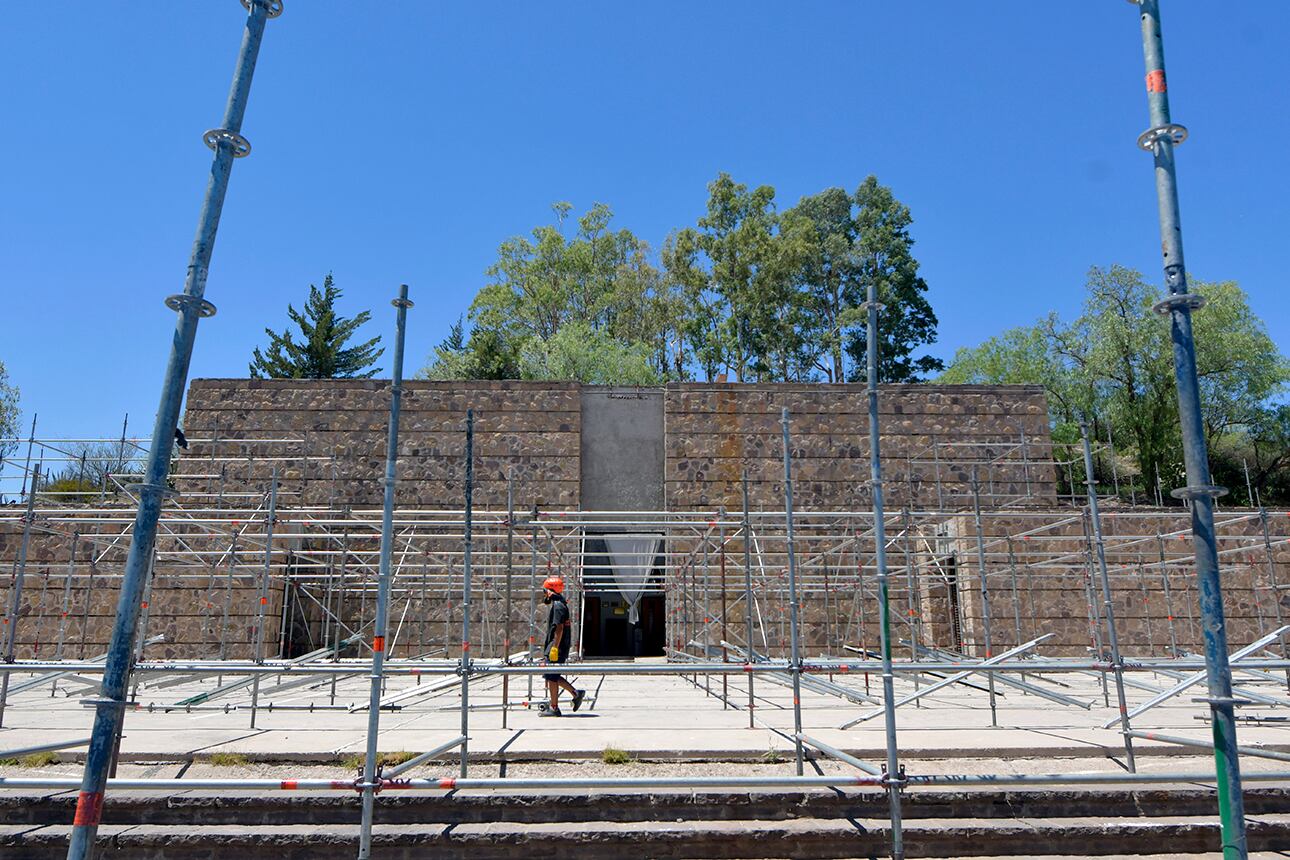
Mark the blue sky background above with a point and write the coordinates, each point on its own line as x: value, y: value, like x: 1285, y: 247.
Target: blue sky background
x: 403, y: 141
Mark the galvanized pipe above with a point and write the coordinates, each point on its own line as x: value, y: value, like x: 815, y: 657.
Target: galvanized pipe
x: 880, y: 552
x: 381, y: 626
x: 263, y: 590
x: 795, y: 657
x: 525, y: 785
x: 227, y: 143
x: 15, y: 601
x: 1108, y: 606
x: 985, y: 591
x: 1160, y: 139
x: 465, y: 602
x: 506, y: 609
x: 748, y: 596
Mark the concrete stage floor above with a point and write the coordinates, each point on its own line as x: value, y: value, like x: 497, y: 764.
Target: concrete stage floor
x: 655, y: 717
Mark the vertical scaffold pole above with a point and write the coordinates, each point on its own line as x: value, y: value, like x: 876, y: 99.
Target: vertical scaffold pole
x: 1108, y: 605
x: 795, y: 654
x: 748, y: 598
x: 370, y: 777
x: 985, y: 593
x: 228, y: 143
x: 262, y: 593
x: 725, y: 606
x: 465, y: 590
x: 1160, y: 140
x: 1274, y: 584
x: 510, y: 570
x: 893, y: 776
x: 533, y: 564
x: 15, y: 601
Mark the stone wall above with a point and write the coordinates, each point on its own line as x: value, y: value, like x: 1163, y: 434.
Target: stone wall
x: 931, y: 436
x: 328, y: 440
x: 1151, y: 569
x: 73, y: 599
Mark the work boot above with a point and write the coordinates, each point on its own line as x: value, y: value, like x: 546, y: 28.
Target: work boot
x: 548, y: 711
x: 578, y: 696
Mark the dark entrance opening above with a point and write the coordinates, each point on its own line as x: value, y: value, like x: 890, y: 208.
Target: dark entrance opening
x: 607, y: 629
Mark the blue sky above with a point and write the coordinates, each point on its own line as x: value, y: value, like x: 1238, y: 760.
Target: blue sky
x: 403, y: 141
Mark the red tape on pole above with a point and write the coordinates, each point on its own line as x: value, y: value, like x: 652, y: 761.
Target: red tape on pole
x: 89, y: 809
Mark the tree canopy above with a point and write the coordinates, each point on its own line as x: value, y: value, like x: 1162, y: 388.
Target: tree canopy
x: 1113, y: 366
x: 8, y: 411
x: 747, y: 292
x: 321, y: 351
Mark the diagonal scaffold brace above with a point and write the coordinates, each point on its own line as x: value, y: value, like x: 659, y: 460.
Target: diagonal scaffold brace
x: 191, y: 306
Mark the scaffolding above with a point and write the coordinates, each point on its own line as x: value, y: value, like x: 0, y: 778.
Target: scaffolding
x: 811, y: 610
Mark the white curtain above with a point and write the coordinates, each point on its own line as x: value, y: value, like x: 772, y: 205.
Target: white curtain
x: 632, y: 557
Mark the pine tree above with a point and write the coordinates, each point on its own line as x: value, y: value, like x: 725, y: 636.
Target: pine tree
x: 321, y: 353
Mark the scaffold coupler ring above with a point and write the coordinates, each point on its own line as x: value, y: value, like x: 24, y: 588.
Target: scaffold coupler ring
x: 182, y: 301
x: 240, y: 145
x: 272, y: 8
x: 1191, y: 301
x: 1172, y: 131
x: 1212, y: 490
x: 166, y: 492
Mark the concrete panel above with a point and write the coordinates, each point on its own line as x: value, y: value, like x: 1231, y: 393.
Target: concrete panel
x: 622, y: 449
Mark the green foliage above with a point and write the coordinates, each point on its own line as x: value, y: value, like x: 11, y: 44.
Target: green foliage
x: 227, y: 759
x: 588, y: 306
x: 40, y: 759
x: 1114, y: 366
x: 579, y: 352
x: 613, y: 755
x: 357, y: 761
x: 69, y: 490
x: 747, y: 291
x: 884, y: 247
x: 8, y: 412
x: 321, y: 353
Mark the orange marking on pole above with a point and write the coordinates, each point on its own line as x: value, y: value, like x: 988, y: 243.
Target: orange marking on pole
x: 1156, y: 81
x: 289, y: 785
x: 264, y: 601
x: 89, y: 809
x: 465, y: 646
x: 144, y: 605
x: 378, y: 643
x: 448, y: 782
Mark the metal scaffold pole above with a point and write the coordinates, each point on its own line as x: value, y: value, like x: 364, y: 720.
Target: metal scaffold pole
x: 15, y: 589
x: 228, y: 143
x: 1108, y: 605
x: 510, y: 570
x: 794, y: 652
x: 262, y: 592
x: 468, y: 546
x: 1160, y: 140
x: 749, y: 656
x: 370, y: 780
x: 893, y: 773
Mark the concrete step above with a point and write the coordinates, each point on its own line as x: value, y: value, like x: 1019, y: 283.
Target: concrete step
x: 285, y: 808
x: 715, y: 840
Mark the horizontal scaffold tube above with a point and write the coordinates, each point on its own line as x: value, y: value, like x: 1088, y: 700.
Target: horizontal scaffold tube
x: 422, y: 668
x: 594, y: 783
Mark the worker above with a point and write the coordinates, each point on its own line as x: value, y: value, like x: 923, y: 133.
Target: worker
x: 559, y: 636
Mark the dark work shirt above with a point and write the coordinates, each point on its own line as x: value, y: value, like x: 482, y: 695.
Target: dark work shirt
x: 556, y: 618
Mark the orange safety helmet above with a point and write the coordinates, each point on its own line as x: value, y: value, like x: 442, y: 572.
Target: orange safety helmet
x: 554, y: 583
